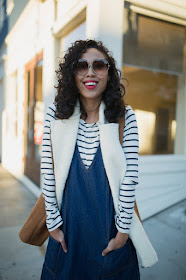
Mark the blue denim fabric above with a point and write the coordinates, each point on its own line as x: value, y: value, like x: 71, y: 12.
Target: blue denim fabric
x: 88, y: 216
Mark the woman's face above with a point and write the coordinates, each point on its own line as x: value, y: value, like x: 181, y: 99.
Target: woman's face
x: 91, y: 86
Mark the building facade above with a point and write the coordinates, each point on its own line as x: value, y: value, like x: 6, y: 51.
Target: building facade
x: 3, y: 33
x: 148, y: 41
x: 10, y: 11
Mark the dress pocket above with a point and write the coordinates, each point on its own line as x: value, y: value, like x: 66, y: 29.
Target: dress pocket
x: 52, y: 254
x: 117, y: 260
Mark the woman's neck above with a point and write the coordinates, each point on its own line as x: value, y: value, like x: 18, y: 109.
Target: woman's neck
x: 92, y: 109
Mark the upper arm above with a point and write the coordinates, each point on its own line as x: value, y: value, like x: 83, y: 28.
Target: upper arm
x: 46, y: 156
x: 131, y: 145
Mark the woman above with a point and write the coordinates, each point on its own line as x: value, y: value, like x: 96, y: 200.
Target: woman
x: 89, y: 179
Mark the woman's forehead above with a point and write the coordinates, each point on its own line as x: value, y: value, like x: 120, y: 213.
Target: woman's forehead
x: 92, y: 54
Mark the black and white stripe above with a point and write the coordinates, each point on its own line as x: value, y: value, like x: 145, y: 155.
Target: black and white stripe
x: 88, y: 142
x: 54, y: 219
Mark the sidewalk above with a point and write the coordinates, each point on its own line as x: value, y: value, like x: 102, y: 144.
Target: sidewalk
x: 18, y: 261
x: 167, y: 232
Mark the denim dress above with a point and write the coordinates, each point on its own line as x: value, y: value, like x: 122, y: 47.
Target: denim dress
x: 88, y: 225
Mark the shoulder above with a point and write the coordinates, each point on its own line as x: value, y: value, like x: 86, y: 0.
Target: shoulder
x: 50, y: 112
x: 130, y: 131
x: 52, y: 108
x: 129, y: 115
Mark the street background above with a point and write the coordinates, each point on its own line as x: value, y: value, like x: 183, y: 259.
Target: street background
x: 148, y: 42
x: 18, y: 261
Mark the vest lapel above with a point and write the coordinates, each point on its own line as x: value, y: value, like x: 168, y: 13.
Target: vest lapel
x: 63, y: 138
x: 113, y: 158
x: 112, y: 153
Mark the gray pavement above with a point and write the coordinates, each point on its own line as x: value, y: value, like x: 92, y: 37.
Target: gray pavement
x: 18, y: 261
x: 167, y: 232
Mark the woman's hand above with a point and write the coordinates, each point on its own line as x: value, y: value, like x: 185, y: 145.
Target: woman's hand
x: 116, y: 243
x: 58, y: 235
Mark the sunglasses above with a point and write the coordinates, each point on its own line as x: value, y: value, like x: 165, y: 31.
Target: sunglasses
x: 99, y: 67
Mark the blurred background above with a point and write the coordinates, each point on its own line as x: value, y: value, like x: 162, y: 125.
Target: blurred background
x: 148, y: 41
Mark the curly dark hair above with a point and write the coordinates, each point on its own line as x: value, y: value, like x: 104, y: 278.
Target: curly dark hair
x: 67, y: 92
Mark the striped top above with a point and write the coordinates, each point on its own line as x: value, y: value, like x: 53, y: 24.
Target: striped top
x: 88, y: 142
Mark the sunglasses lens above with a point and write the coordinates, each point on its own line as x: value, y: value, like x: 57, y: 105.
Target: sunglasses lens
x: 81, y: 67
x: 100, y: 67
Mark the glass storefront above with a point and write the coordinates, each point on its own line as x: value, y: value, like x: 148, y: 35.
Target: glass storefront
x: 152, y: 65
x: 152, y: 95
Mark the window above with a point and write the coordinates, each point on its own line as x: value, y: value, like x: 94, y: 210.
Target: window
x: 153, y: 96
x: 34, y: 117
x: 38, y: 111
x: 153, y: 65
x: 150, y: 43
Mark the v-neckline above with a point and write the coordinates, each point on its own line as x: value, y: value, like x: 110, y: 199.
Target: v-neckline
x: 93, y: 161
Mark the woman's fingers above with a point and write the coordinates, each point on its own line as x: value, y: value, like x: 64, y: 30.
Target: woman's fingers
x: 106, y: 251
x: 109, y: 248
x: 115, y: 243
x: 62, y: 241
x: 58, y: 235
x: 64, y: 246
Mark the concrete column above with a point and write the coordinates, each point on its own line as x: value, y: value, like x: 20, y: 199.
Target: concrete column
x: 104, y: 21
x: 184, y: 114
x: 180, y: 139
x: 3, y: 87
x: 51, y: 55
x: 50, y: 64
x: 2, y: 97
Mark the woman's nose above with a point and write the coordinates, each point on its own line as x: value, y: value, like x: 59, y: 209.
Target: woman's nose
x: 90, y: 71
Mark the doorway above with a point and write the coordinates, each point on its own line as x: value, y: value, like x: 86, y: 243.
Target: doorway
x: 34, y: 118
